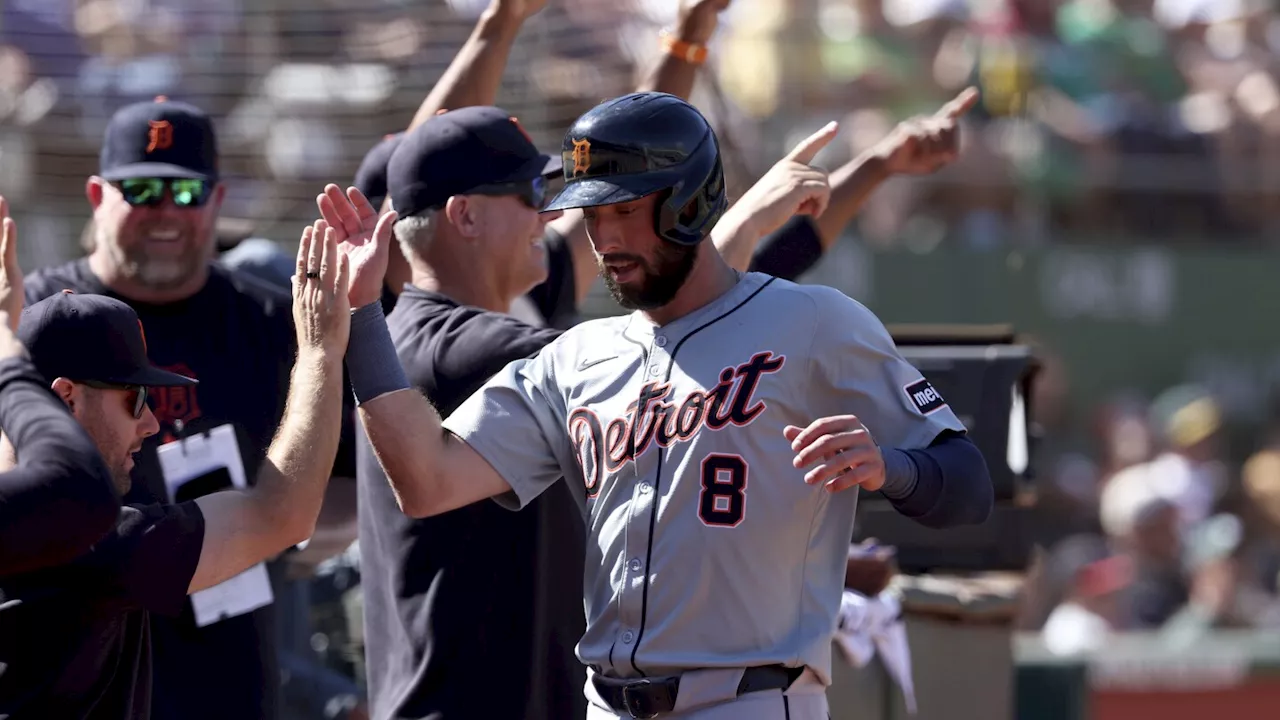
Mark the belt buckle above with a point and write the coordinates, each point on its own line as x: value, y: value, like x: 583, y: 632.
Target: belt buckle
x: 635, y: 703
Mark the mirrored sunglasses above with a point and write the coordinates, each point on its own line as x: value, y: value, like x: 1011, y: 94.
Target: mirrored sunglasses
x: 149, y: 192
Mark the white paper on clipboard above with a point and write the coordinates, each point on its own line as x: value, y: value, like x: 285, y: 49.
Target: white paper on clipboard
x: 190, y: 458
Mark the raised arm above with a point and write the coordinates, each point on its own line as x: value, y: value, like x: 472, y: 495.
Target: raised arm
x: 674, y: 74
x: 685, y: 48
x: 474, y: 76
x: 245, y: 527
x: 792, y: 186
x: 918, y: 146
x: 430, y: 470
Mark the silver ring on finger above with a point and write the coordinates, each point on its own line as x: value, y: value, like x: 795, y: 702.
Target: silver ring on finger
x: 313, y: 274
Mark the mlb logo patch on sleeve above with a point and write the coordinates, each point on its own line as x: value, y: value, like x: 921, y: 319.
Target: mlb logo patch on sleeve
x: 924, y: 397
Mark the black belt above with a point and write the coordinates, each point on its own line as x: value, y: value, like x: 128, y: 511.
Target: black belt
x: 649, y: 697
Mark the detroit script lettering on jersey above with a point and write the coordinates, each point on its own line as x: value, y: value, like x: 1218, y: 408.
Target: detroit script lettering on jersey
x: 657, y: 417
x: 708, y: 550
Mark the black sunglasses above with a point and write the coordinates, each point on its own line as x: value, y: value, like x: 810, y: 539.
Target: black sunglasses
x: 530, y: 192
x: 149, y: 192
x: 137, y: 394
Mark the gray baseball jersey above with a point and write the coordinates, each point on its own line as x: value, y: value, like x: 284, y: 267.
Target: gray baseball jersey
x: 706, y: 549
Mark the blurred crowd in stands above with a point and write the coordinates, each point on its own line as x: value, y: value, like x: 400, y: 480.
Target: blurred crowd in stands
x: 1101, y: 120
x: 1160, y: 532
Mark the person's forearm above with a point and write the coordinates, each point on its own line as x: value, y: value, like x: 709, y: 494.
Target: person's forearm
x: 407, y: 438
x: 737, y: 235
x: 851, y: 186
x: 429, y: 469
x: 403, y: 427
x: 673, y: 75
x: 59, y: 500
x: 291, y: 484
x: 474, y: 76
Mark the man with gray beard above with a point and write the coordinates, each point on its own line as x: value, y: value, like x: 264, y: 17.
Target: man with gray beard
x: 155, y: 204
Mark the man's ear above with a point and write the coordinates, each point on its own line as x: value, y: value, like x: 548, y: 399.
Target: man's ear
x: 219, y: 194
x: 461, y: 213
x: 67, y: 392
x: 95, y: 190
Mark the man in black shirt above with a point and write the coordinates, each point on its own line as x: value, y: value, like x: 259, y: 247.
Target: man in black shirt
x: 424, y: 657
x: 58, y: 500
x: 76, y: 639
x: 156, y: 200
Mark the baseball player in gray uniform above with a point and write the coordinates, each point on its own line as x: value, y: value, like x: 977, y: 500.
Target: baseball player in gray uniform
x: 711, y: 429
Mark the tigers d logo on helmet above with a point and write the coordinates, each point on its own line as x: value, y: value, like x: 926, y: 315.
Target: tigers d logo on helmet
x: 581, y: 156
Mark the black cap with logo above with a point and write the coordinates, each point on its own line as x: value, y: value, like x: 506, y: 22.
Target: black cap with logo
x: 90, y: 338
x: 160, y: 139
x: 456, y: 152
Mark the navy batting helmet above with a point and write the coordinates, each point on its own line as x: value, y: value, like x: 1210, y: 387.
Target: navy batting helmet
x: 640, y: 144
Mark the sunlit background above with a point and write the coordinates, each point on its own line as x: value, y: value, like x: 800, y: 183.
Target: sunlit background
x: 1117, y: 201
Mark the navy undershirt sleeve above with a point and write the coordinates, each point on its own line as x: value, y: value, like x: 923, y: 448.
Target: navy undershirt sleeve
x: 953, y: 484
x: 790, y: 251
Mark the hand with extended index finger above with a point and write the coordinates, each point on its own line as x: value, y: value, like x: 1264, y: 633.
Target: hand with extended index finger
x: 792, y: 186
x: 363, y: 237
x: 923, y: 145
x: 840, y: 453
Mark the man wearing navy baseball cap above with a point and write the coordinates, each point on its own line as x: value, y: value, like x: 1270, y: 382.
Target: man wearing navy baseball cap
x: 471, y: 182
x: 155, y: 199
x: 92, y: 350
x: 467, y: 186
x: 78, y: 639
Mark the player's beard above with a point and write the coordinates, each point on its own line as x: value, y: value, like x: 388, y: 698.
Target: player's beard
x: 108, y: 440
x: 662, y: 276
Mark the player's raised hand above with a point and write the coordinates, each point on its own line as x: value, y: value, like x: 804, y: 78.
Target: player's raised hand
x: 363, y: 237
x: 698, y: 19
x: 321, y: 313
x: 11, y: 297
x: 792, y: 186
x: 926, y: 144
x: 840, y: 452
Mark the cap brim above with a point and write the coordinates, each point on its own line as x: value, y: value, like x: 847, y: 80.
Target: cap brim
x: 591, y: 193
x: 155, y: 377
x: 553, y: 167
x: 156, y: 170
x: 542, y: 166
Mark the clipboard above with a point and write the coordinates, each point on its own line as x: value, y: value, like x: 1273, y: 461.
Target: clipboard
x: 195, y: 466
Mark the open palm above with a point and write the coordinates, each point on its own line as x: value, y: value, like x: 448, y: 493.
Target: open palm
x: 363, y: 237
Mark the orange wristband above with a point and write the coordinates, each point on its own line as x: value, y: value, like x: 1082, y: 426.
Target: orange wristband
x: 691, y: 53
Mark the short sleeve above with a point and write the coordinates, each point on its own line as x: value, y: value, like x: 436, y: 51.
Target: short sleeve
x: 517, y: 422
x: 859, y: 370
x: 152, y: 555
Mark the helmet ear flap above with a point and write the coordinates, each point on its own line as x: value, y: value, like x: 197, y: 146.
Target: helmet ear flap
x: 689, y: 224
